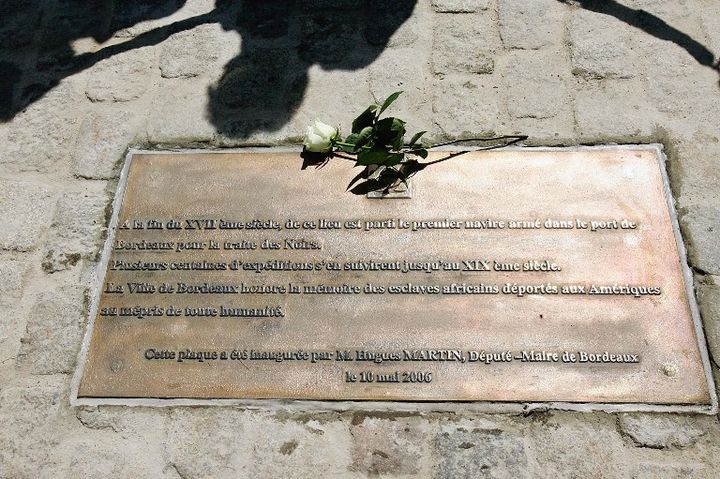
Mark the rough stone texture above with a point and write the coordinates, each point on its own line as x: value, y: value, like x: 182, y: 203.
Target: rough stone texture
x: 122, y: 79
x: 702, y: 225
x: 21, y: 232
x: 599, y: 117
x: 76, y: 228
x: 477, y: 94
x: 37, y: 418
x: 542, y: 91
x: 382, y: 448
x: 191, y: 53
x: 55, y: 327
x: 13, y: 271
x: 480, y: 453
x: 103, y: 140
x: 460, y: 6
x: 709, y: 297
x: 664, y: 431
x: 599, y: 51
x: 531, y: 25
x: 462, y: 46
x: 555, y: 70
x: 41, y: 137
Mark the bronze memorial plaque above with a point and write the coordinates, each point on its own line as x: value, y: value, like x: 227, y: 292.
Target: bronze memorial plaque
x: 526, y: 275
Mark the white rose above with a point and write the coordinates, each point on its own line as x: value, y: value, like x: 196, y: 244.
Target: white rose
x: 319, y: 137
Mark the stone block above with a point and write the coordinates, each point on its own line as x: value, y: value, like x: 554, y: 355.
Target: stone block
x: 178, y: 113
x: 532, y: 25
x: 687, y: 101
x: 464, y: 43
x: 479, y: 100
x: 77, y: 228
x: 338, y: 109
x: 12, y: 272
x: 123, y: 77
x: 241, y: 445
x: 191, y: 53
x: 394, y: 446
x: 708, y: 296
x: 41, y: 137
x: 391, y: 23
x: 536, y: 83
x: 600, y: 47
x: 460, y: 6
x: 393, y: 72
x: 103, y: 140
x: 662, y: 431
x: 562, y: 445
x: 56, y: 323
x: 652, y: 470
x: 615, y: 111
x: 26, y: 209
x: 701, y: 224
x: 480, y: 453
x: 30, y: 417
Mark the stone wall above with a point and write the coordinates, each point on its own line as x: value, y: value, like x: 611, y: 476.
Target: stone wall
x: 83, y: 81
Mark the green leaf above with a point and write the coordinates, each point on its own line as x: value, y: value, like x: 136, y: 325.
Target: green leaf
x: 394, y: 159
x: 390, y: 124
x: 389, y: 101
x: 351, y: 140
x: 416, y: 137
x: 365, y: 119
x: 410, y: 167
x: 364, y: 137
x: 421, y: 152
x: 378, y: 156
x: 390, y: 131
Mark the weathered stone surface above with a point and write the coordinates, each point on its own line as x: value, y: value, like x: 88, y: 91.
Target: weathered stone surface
x: 478, y: 97
x: 191, y: 53
x: 661, y: 431
x: 41, y: 137
x: 702, y: 224
x: 241, y: 445
x: 542, y: 91
x: 103, y: 140
x: 178, y: 114
x: 709, y: 301
x: 55, y: 327
x: 480, y: 453
x: 531, y: 25
x: 31, y: 417
x: 121, y: 78
x: 599, y: 47
x: 26, y: 208
x: 390, y: 73
x: 576, y: 445
x: 614, y: 111
x: 464, y: 46
x: 395, y: 446
x: 651, y: 470
x: 77, y: 227
x: 460, y: 6
x: 12, y: 271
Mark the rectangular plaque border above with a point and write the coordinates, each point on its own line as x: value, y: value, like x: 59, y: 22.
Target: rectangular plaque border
x: 98, y: 276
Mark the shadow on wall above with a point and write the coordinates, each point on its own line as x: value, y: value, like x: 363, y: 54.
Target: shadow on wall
x: 652, y: 25
x: 281, y: 39
x: 259, y: 89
